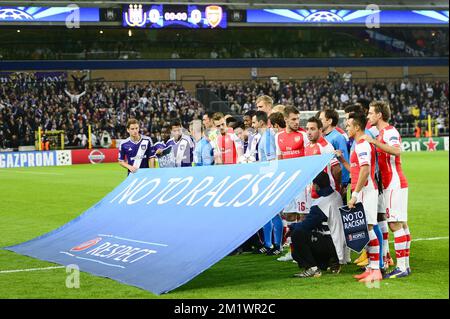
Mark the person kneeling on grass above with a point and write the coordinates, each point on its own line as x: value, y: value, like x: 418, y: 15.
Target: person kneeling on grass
x: 313, y: 246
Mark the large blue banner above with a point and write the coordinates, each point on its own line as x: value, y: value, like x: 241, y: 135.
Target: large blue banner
x: 162, y: 227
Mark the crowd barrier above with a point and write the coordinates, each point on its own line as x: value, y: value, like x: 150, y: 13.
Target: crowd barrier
x: 110, y: 155
x: 58, y: 158
x: 425, y: 144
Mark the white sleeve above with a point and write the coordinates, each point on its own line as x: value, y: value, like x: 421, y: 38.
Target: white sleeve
x: 391, y: 137
x: 329, y: 149
x: 374, y: 131
x: 305, y: 139
x: 363, y: 151
x: 183, y: 144
x: 277, y: 145
x: 239, y: 146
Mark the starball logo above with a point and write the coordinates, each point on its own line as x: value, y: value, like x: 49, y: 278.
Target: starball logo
x: 114, y: 249
x: 87, y: 244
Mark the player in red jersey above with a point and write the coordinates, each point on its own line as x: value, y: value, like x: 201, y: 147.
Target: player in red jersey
x: 319, y: 145
x: 290, y: 143
x: 226, y: 143
x: 395, y: 185
x: 364, y: 189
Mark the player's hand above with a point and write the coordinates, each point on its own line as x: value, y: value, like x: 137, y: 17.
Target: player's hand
x: 369, y: 139
x: 133, y: 169
x: 351, y: 203
x: 338, y: 153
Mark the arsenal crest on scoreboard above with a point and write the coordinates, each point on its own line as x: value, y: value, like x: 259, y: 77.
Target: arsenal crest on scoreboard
x: 214, y: 15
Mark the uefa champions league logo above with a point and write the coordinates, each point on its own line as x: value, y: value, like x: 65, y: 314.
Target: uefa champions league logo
x: 371, y: 15
x: 14, y: 14
x: 323, y: 16
x: 71, y: 14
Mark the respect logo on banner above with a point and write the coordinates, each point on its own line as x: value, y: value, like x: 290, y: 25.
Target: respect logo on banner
x: 355, y: 227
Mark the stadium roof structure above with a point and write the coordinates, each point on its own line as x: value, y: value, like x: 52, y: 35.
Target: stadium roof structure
x: 312, y: 4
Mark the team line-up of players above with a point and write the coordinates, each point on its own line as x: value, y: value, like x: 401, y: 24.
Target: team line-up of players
x: 367, y: 158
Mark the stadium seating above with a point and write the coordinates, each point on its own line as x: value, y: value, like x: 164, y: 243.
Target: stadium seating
x: 26, y: 103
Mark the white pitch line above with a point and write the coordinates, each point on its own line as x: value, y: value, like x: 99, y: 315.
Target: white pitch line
x: 30, y: 269
x: 432, y: 238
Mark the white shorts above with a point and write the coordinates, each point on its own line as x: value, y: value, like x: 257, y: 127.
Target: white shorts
x: 300, y: 204
x: 381, y: 209
x: 369, y: 199
x: 396, y: 204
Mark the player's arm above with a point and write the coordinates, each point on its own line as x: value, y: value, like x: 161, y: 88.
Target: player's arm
x: 364, y: 158
x: 218, y: 158
x: 181, y: 157
x: 129, y: 167
x: 336, y: 171
x: 151, y: 156
x: 151, y: 162
x: 123, y: 163
x: 362, y: 180
x: 279, y: 154
x: 335, y: 168
x: 272, y: 155
x: 214, y: 141
x: 239, y: 146
x: 342, y: 145
x: 390, y: 149
x: 207, y: 155
x: 341, y: 159
x: 217, y: 153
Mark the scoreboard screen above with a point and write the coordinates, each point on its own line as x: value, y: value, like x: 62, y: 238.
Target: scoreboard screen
x: 174, y: 16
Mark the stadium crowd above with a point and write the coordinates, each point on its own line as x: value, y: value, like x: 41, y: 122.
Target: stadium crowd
x: 406, y: 97
x: 27, y: 103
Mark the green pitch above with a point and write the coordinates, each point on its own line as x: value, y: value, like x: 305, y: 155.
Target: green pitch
x: 35, y: 201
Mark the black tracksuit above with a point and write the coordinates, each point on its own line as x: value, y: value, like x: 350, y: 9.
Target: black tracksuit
x: 311, y: 239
